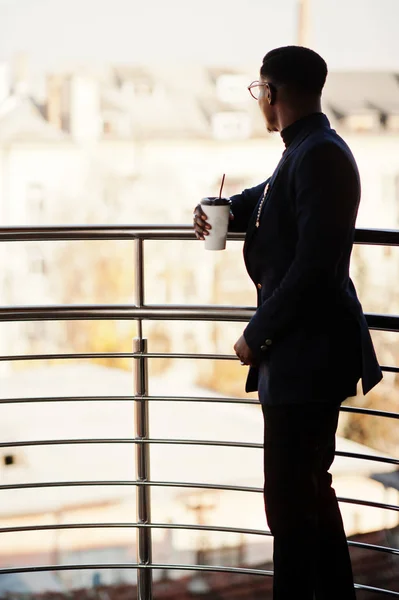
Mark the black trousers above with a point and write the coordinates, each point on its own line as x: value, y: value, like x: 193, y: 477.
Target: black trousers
x: 311, y: 557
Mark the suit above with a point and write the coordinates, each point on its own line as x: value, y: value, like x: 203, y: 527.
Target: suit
x: 309, y: 334
x: 311, y: 345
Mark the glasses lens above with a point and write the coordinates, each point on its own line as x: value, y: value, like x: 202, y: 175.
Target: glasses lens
x: 254, y: 89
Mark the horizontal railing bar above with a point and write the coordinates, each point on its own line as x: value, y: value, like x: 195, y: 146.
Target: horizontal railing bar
x: 370, y: 411
x: 84, y: 441
x: 121, y: 312
x: 175, y: 526
x: 155, y: 312
x: 193, y: 399
x: 372, y: 457
x: 179, y: 526
x: 174, y: 441
x: 66, y: 356
x: 96, y: 566
x: 382, y: 322
x: 379, y: 237
x: 89, y: 355
x: 175, y: 484
x: 170, y: 355
x: 369, y: 588
x: 394, y: 507
x: 373, y: 547
x: 122, y: 482
x: 389, y: 369
x: 100, y: 232
x: 175, y: 567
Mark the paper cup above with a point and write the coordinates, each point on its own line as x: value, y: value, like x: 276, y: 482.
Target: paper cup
x: 218, y: 218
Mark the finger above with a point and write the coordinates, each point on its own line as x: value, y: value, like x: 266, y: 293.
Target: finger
x: 199, y: 212
x: 241, y: 359
x: 201, y: 219
x: 198, y: 223
x: 201, y: 227
x: 231, y: 216
x: 202, y: 214
x: 200, y: 231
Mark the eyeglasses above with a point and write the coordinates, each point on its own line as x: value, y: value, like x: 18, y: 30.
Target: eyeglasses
x: 256, y: 88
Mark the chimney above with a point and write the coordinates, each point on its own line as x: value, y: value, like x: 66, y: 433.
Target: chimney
x: 303, y: 23
x: 54, y: 100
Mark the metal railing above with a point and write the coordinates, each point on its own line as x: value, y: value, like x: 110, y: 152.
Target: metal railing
x: 142, y: 440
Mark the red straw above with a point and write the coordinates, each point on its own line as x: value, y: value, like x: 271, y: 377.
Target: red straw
x: 221, y: 187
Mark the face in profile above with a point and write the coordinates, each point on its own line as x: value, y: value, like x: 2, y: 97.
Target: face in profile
x: 266, y: 105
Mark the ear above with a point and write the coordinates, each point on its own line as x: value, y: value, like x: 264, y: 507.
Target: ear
x: 271, y: 94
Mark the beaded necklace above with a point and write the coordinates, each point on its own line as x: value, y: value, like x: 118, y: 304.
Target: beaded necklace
x: 261, y: 205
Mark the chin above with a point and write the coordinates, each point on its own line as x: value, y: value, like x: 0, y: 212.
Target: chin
x: 269, y: 126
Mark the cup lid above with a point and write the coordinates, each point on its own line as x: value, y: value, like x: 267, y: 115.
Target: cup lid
x: 215, y: 201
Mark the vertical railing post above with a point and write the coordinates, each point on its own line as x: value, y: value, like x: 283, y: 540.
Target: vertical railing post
x: 144, y: 538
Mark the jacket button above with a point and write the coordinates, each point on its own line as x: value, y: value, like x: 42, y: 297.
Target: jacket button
x: 268, y: 342
x: 263, y: 348
x: 259, y: 286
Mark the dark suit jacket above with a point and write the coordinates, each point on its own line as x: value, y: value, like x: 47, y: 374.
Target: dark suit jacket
x: 309, y: 334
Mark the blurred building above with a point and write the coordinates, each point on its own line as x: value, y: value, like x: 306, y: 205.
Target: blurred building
x: 140, y: 144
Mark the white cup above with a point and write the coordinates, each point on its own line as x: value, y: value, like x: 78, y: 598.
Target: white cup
x: 218, y: 211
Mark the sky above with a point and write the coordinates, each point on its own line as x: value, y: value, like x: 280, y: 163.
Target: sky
x: 349, y: 34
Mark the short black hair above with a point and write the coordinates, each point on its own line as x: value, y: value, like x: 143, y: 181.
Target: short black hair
x: 295, y: 67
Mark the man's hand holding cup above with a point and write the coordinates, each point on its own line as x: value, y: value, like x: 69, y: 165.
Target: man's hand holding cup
x: 212, y: 225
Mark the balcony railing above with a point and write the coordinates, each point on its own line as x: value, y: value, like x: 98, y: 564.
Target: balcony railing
x: 140, y: 311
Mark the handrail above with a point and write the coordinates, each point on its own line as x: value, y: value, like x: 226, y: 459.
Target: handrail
x: 177, y: 484
x: 179, y: 442
x: 140, y: 311
x: 156, y: 312
x: 177, y: 526
x: 163, y: 567
x: 369, y: 236
x: 193, y: 399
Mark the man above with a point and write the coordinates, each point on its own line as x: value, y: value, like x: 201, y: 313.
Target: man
x: 308, y: 343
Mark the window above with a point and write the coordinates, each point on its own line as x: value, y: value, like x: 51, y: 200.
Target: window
x: 232, y: 88
x: 138, y: 88
x: 231, y: 125
x: 363, y: 121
